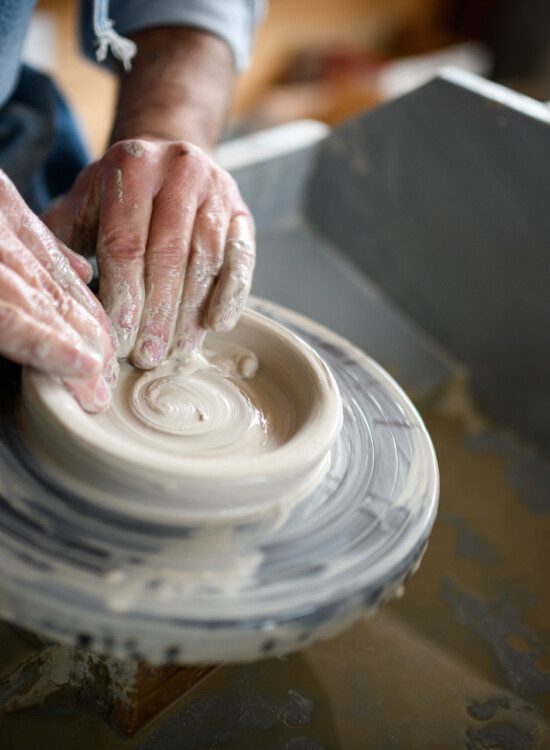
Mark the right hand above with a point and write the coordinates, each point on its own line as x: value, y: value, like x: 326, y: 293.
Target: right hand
x: 48, y: 317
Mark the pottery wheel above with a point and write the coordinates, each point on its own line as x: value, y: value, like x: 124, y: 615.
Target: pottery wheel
x: 79, y: 573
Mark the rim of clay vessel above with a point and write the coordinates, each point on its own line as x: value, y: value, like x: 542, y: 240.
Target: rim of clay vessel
x: 297, y: 460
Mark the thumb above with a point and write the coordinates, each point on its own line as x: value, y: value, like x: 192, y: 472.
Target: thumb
x: 73, y: 217
x: 79, y: 264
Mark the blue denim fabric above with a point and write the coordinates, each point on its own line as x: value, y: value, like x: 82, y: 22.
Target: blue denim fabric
x: 14, y: 21
x: 41, y: 148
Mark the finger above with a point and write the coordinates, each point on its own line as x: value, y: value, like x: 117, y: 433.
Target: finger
x: 125, y: 213
x: 92, y: 305
x: 233, y: 285
x: 50, y: 342
x: 52, y: 345
x: 93, y: 394
x: 56, y: 263
x: 28, y: 341
x: 166, y: 261
x: 56, y: 218
x: 205, y: 261
x: 79, y: 264
x: 50, y: 252
x: 25, y: 281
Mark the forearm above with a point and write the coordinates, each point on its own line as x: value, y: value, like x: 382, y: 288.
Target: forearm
x: 178, y: 89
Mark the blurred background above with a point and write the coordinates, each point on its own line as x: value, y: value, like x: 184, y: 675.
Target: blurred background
x: 328, y: 60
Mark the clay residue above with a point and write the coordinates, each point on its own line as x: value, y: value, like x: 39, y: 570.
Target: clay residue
x: 198, y: 396
x: 134, y: 148
x: 211, y: 403
x: 119, y: 188
x: 197, y: 434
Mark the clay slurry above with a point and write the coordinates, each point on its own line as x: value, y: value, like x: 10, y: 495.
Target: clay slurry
x: 212, y: 402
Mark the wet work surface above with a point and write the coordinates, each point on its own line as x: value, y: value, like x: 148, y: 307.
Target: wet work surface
x: 460, y: 661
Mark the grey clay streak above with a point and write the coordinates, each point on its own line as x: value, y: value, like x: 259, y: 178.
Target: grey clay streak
x: 340, y: 553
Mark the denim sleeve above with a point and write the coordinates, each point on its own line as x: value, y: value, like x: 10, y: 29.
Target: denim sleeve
x: 232, y: 20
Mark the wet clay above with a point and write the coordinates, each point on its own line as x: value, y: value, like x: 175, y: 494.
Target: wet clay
x: 211, y: 403
x: 241, y: 427
x: 157, y: 552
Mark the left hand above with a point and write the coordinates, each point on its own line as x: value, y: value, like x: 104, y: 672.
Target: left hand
x: 174, y: 241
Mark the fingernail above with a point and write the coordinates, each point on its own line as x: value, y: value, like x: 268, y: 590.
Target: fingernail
x: 89, y: 272
x: 112, y: 372
x: 190, y: 340
x: 186, y: 345
x: 102, y: 394
x: 87, y: 362
x: 149, y: 351
x: 93, y: 394
x: 222, y: 326
x: 125, y: 341
x: 225, y: 320
x: 224, y: 314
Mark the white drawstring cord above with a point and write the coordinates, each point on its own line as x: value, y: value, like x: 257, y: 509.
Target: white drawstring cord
x: 123, y: 49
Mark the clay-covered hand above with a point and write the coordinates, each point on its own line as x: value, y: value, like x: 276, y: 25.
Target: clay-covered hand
x: 174, y: 241
x: 48, y: 317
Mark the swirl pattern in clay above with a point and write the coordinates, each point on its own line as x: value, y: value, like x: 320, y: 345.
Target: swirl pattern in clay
x: 204, y: 403
x: 212, y: 404
x: 242, y: 428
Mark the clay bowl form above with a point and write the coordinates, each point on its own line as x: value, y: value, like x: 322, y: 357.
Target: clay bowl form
x: 111, y: 465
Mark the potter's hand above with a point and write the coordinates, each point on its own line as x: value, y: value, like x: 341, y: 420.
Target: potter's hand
x: 48, y: 317
x: 174, y: 243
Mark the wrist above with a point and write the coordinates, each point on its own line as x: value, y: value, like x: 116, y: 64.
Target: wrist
x: 166, y: 125
x: 178, y: 88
